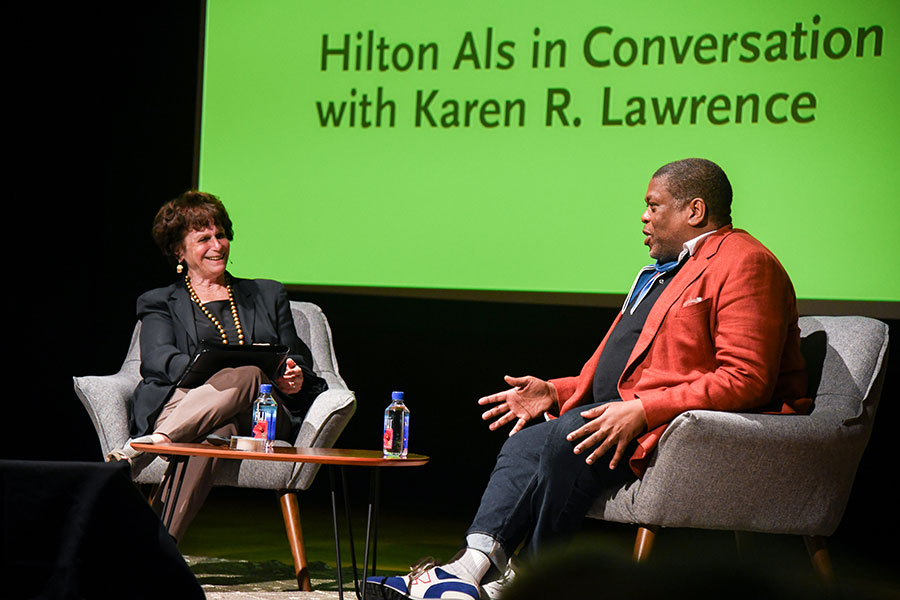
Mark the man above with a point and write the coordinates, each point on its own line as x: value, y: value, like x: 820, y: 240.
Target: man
x: 711, y: 325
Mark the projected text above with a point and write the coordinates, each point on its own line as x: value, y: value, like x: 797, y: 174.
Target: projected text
x: 602, y: 48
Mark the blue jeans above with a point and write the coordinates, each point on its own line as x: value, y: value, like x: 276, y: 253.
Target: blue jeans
x: 540, y: 490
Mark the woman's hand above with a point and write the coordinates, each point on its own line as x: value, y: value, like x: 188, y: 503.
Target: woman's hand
x: 292, y: 380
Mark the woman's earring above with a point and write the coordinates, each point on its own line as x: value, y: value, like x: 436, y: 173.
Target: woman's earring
x: 179, y: 268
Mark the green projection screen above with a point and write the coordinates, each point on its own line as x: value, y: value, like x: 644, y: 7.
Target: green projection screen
x: 473, y: 145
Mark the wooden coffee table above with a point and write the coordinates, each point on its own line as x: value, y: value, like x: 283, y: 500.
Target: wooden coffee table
x: 334, y: 457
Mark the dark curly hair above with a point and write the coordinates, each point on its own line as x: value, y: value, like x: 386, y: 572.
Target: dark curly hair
x: 699, y: 178
x: 188, y: 212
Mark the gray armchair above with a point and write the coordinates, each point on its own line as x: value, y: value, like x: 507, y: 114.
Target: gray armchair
x: 767, y: 473
x: 105, y: 398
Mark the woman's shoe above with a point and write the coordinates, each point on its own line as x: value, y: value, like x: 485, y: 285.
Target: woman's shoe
x: 136, y: 458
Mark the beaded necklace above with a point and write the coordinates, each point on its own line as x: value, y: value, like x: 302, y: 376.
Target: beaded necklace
x: 212, y: 317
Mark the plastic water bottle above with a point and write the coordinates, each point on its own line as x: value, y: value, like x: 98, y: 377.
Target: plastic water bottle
x: 396, y: 428
x: 265, y: 409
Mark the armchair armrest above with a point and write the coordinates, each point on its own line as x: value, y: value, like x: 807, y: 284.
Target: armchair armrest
x: 750, y: 472
x: 106, y: 400
x: 324, y: 422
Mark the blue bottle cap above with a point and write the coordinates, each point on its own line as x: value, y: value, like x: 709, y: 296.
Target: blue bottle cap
x: 265, y: 388
x: 396, y: 395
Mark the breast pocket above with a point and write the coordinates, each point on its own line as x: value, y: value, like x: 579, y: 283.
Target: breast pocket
x: 691, y: 333
x: 694, y: 309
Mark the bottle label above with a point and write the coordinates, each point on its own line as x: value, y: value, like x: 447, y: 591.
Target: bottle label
x: 260, y: 430
x: 264, y: 423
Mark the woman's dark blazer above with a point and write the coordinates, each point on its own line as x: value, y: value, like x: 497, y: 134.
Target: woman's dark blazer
x: 169, y: 339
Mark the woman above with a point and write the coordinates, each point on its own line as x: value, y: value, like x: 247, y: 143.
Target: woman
x: 206, y: 303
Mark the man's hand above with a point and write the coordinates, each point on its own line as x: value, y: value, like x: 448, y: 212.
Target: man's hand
x: 292, y: 380
x: 612, y: 424
x: 528, y: 398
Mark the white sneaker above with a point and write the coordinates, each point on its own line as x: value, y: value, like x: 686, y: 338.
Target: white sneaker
x: 494, y: 589
x: 424, y: 581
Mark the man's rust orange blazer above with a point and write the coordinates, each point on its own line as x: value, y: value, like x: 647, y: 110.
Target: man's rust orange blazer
x: 722, y: 336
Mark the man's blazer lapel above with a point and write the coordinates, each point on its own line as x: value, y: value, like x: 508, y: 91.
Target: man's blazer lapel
x: 688, y: 274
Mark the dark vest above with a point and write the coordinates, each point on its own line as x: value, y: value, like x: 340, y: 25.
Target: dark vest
x: 622, y: 340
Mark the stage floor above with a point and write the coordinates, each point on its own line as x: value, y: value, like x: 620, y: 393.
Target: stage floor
x: 237, y: 548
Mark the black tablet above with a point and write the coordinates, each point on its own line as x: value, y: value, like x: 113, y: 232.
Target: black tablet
x: 210, y: 358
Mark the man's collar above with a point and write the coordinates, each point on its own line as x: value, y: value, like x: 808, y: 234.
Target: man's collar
x: 689, y: 248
